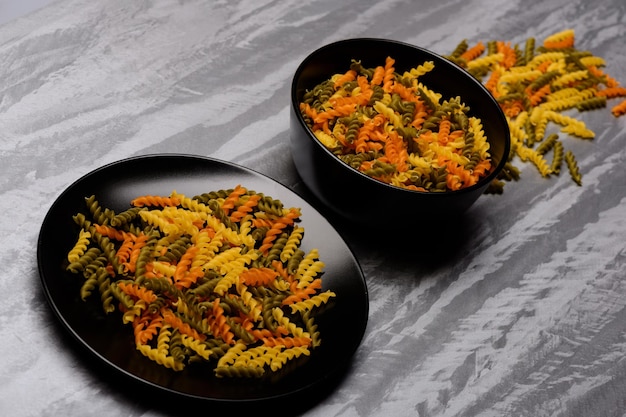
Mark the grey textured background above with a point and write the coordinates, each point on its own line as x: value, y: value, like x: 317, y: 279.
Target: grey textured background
x: 524, y: 318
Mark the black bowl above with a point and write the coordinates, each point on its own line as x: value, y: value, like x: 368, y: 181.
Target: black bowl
x: 358, y: 197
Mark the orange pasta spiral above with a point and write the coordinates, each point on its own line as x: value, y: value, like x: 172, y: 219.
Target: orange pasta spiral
x: 153, y: 200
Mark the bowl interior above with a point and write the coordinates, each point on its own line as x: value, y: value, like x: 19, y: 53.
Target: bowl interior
x: 446, y: 78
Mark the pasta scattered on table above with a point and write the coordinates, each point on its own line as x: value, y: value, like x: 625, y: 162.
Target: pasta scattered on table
x: 220, y: 277
x: 535, y: 85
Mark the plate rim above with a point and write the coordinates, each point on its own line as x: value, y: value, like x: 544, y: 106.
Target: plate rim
x: 136, y: 378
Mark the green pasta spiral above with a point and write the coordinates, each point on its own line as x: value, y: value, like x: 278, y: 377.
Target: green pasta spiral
x: 126, y: 216
x: 175, y: 250
x: 529, y: 49
x: 557, y: 158
x: 89, y: 285
x: 547, y: 144
x: 99, y: 215
x: 294, y: 261
x: 543, y: 79
x: 269, y: 303
x: 426, y: 99
x: 460, y: 49
x: 468, y: 148
x: 204, y: 198
x: 100, y: 261
x: 125, y: 299
x: 81, y: 220
x: 496, y: 186
x: 239, y: 331
x: 380, y: 169
x: 276, y: 249
x: 367, y: 111
x: 377, y: 94
x: 423, y: 181
x: 474, y: 158
x: 592, y: 103
x: 162, y: 285
x: 350, y: 85
x: 510, y: 172
x: 233, y: 305
x: 145, y: 256
x: 218, y: 212
x: 176, y: 348
x: 104, y: 288
x: 404, y: 108
x: 460, y: 120
x: 316, y: 97
x: 271, y: 206
x: 407, y: 134
x: 572, y: 166
x: 239, y: 371
x: 356, y: 159
x: 90, y: 255
x: 353, y: 125
x: 439, y: 177
x: 361, y: 70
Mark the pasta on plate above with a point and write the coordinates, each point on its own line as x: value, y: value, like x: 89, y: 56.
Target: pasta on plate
x: 219, y: 278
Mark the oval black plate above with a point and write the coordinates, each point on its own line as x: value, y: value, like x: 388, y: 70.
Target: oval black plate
x: 342, y: 325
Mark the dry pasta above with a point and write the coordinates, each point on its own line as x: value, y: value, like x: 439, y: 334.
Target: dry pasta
x: 534, y: 88
x: 200, y: 279
x: 394, y: 129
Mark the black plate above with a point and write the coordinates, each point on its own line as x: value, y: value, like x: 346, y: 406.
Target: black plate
x: 342, y: 324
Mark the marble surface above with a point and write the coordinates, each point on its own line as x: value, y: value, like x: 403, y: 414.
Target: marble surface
x: 523, y: 314
x: 12, y: 9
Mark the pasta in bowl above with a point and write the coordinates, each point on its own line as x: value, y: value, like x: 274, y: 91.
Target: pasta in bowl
x: 383, y: 126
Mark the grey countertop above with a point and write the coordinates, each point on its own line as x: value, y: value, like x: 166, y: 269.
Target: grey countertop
x: 522, y: 315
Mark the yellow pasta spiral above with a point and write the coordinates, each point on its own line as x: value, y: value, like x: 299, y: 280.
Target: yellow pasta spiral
x: 288, y: 354
x: 283, y: 320
x: 197, y: 346
x: 191, y: 204
x: 160, y: 357
x: 420, y: 70
x: 80, y: 247
x: 486, y: 61
x: 315, y: 301
x: 231, y: 355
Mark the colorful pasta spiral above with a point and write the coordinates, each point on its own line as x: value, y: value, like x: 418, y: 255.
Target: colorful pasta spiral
x: 219, y: 277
